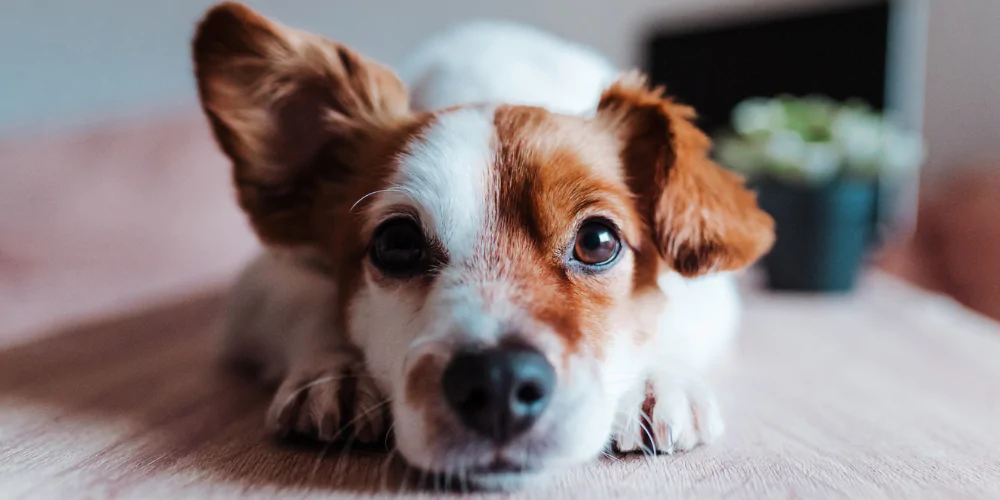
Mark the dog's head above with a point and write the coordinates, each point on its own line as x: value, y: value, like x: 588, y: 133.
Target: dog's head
x: 496, y: 264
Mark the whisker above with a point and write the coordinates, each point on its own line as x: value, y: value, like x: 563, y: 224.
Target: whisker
x: 389, y: 190
x: 387, y: 463
x: 299, y: 390
x: 648, y: 430
x: 646, y: 452
x: 355, y: 420
x: 440, y: 478
x: 405, y: 482
x: 463, y: 480
x: 388, y: 432
x: 435, y: 477
x: 310, y: 384
x: 646, y: 448
x: 422, y: 483
x: 448, y: 478
x: 346, y: 450
x: 319, y: 461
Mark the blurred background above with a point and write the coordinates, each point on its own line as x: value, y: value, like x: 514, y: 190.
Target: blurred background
x: 113, y: 195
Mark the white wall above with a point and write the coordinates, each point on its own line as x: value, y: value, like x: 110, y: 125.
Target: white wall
x: 962, y: 109
x: 68, y: 62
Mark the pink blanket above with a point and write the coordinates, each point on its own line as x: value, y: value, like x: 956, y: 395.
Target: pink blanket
x: 111, y: 219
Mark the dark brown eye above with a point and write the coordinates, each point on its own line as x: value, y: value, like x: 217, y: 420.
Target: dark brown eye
x: 596, y: 243
x: 398, y: 247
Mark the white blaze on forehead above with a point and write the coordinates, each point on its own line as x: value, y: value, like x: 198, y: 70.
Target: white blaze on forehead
x: 444, y: 176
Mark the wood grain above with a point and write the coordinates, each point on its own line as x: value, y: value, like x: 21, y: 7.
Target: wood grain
x: 890, y: 393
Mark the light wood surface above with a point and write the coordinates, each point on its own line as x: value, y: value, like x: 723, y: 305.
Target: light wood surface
x: 891, y: 393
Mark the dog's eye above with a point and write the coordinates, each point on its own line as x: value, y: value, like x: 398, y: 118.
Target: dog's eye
x: 398, y: 247
x: 596, y: 243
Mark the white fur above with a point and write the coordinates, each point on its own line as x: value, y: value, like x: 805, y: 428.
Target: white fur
x: 444, y: 177
x: 492, y: 61
x: 696, y: 330
x: 701, y: 319
x: 280, y: 321
x: 273, y: 294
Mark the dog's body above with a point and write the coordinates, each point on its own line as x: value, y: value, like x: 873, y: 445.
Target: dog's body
x: 422, y: 252
x: 492, y: 61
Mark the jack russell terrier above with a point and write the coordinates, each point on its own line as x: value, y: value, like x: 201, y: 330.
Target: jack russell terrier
x: 519, y: 261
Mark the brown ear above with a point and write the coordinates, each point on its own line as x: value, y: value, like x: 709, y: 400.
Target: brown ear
x: 702, y: 217
x: 276, y: 98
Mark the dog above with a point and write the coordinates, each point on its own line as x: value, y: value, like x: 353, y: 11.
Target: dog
x: 521, y: 266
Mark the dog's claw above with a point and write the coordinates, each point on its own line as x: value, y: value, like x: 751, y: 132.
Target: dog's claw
x: 308, y: 403
x: 678, y: 418
x: 669, y: 448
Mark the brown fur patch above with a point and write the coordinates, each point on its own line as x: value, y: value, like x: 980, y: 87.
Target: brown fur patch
x: 423, y: 383
x: 288, y: 108
x: 552, y: 173
x: 311, y: 127
x: 702, y: 216
x: 338, y: 219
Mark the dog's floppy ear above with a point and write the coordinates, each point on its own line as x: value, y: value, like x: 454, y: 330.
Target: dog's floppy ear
x: 702, y: 217
x: 276, y: 98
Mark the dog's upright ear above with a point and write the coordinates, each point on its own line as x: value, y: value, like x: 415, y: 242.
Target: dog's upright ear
x: 277, y: 99
x: 702, y: 218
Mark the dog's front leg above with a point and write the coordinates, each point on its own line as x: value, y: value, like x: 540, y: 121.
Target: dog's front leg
x: 281, y: 320
x: 308, y: 400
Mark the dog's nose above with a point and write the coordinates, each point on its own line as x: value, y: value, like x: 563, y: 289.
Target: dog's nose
x: 499, y: 392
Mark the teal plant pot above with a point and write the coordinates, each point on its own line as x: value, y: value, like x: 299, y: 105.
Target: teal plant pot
x: 823, y: 233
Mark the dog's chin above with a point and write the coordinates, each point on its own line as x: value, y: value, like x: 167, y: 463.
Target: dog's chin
x: 496, y: 477
x: 506, y: 481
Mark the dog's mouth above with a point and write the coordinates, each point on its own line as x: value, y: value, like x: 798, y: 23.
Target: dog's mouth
x: 499, y: 474
x: 501, y: 466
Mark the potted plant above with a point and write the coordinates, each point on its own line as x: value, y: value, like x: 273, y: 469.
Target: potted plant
x: 820, y: 167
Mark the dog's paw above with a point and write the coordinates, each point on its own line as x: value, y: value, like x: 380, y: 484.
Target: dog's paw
x: 308, y: 403
x: 671, y: 418
x: 370, y: 420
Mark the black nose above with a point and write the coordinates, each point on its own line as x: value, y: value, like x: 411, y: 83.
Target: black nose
x: 499, y: 392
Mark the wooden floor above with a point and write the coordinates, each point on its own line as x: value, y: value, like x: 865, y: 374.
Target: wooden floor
x: 890, y: 393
